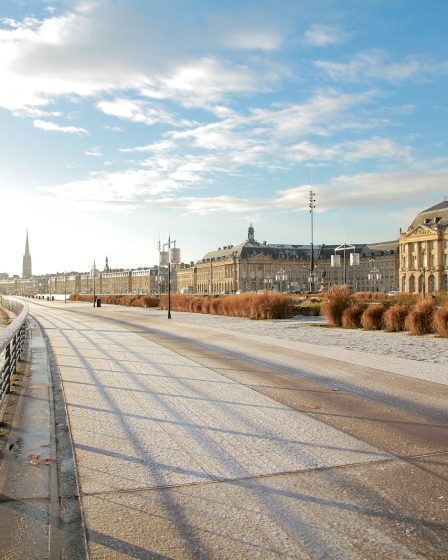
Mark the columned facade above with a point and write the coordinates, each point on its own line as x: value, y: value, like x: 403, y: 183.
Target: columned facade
x: 424, y: 252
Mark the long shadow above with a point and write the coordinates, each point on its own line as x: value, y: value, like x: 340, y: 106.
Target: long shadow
x: 297, y: 527
x: 213, y: 429
x: 179, y: 518
x: 372, y: 394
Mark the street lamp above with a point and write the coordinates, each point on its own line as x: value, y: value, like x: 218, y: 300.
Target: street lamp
x: 268, y: 283
x: 312, y: 206
x: 336, y: 259
x: 374, y: 272
x: 171, y: 256
x: 94, y: 285
x: 281, y: 277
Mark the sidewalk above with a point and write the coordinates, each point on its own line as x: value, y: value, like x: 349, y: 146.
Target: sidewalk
x: 28, y: 471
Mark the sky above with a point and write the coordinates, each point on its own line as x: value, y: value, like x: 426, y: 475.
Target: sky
x: 123, y: 120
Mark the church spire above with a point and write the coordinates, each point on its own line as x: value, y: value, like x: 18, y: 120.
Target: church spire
x: 26, y: 267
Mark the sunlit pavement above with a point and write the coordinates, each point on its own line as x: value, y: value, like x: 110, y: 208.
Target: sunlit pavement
x: 179, y: 456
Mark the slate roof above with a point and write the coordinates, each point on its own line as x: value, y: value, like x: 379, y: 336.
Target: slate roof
x: 435, y: 216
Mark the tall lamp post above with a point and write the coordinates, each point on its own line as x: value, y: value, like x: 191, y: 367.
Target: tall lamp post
x: 312, y: 206
x: 94, y: 285
x: 268, y: 283
x: 336, y: 259
x: 281, y: 277
x: 168, y: 245
x: 374, y: 272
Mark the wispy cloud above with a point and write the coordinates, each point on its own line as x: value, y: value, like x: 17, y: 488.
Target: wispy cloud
x: 376, y: 65
x: 53, y: 127
x: 324, y: 35
x: 94, y: 152
x: 140, y: 111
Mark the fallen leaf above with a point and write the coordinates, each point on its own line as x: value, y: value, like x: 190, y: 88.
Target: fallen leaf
x: 47, y: 461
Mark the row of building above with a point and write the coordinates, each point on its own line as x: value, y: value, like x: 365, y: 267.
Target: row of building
x: 416, y: 262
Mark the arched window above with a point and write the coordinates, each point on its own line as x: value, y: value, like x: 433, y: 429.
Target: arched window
x: 412, y: 284
x: 431, y: 283
x: 403, y: 284
x: 445, y: 282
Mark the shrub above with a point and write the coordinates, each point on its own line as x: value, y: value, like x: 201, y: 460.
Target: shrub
x: 440, y: 321
x: 405, y: 298
x: 420, y: 319
x: 351, y: 316
x: 249, y: 305
x: 394, y: 318
x: 372, y: 318
x: 309, y: 308
x: 336, y: 299
x: 370, y: 296
x: 151, y: 301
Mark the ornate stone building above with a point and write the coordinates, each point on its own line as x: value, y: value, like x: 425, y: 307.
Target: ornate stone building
x: 424, y: 252
x: 254, y: 266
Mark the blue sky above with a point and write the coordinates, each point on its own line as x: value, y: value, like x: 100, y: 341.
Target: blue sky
x: 121, y: 120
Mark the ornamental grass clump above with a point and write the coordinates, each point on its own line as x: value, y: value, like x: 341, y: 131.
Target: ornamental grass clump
x: 370, y: 296
x: 336, y: 300
x: 351, y: 316
x: 394, y: 318
x: 372, y: 318
x: 440, y: 321
x: 420, y: 319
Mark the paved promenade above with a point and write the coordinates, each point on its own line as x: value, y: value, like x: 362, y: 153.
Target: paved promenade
x: 180, y: 453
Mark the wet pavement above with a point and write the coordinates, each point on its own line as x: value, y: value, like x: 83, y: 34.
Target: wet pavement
x: 27, y: 470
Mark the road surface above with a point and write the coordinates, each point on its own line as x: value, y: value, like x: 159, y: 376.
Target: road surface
x: 194, y: 443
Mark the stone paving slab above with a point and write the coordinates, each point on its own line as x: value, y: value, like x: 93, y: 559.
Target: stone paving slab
x: 25, y: 478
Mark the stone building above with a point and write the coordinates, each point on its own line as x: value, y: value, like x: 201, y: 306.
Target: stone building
x: 254, y: 266
x: 424, y: 252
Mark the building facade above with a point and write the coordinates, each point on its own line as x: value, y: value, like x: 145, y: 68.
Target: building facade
x: 254, y: 266
x: 424, y: 252
x: 417, y: 262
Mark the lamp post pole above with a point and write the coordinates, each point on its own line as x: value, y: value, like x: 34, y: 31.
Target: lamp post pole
x: 94, y: 286
x: 168, y: 244
x: 312, y: 206
x: 344, y: 247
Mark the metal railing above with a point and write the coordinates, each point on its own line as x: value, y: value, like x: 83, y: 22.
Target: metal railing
x: 12, y: 341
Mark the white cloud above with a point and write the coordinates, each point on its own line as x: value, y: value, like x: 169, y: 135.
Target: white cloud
x: 375, y: 64
x: 367, y: 189
x: 139, y: 111
x: 323, y: 35
x: 53, y: 127
x: 89, y: 52
x: 207, y: 205
x: 351, y: 151
x: 253, y: 39
x: 94, y: 152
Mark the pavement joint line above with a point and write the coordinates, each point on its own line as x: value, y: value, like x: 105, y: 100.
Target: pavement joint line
x: 227, y: 480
